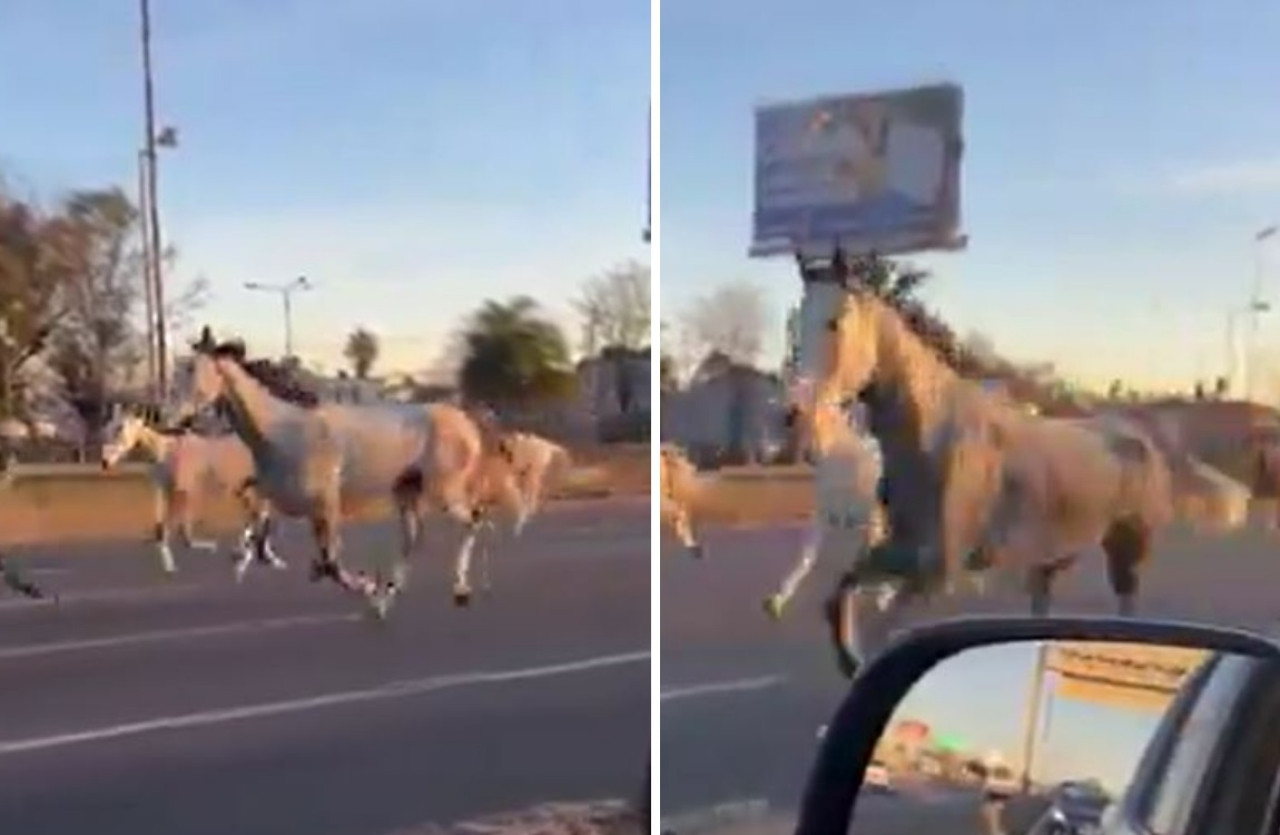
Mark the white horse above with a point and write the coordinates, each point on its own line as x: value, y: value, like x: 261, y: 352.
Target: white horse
x: 187, y: 470
x: 324, y: 461
x: 849, y: 518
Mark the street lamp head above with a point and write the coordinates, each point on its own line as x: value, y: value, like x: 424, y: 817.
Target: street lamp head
x: 253, y: 285
x: 302, y: 283
x: 167, y: 137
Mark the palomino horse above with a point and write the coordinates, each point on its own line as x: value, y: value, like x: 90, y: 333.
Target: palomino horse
x: 324, y: 461
x: 971, y: 481
x: 679, y: 489
x: 536, y: 463
x: 849, y: 518
x: 187, y: 470
x: 510, y: 482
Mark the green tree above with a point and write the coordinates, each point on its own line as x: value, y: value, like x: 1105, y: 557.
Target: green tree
x: 514, y: 355
x: 362, y: 351
x: 98, y: 336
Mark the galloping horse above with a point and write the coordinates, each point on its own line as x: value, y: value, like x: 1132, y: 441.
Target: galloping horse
x: 186, y: 469
x: 323, y: 461
x: 971, y: 482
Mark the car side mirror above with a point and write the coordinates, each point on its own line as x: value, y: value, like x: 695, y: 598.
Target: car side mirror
x: 912, y: 720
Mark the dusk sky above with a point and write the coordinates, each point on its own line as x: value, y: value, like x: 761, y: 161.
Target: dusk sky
x: 1119, y: 160
x: 412, y: 157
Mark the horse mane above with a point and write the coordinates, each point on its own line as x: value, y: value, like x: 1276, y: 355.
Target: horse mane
x: 279, y: 380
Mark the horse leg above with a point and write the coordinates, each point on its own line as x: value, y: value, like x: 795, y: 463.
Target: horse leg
x: 775, y: 603
x: 186, y: 528
x: 410, y: 530
x: 1127, y: 544
x: 462, y: 565
x: 1040, y: 588
x: 327, y: 566
x: 164, y: 516
x: 841, y: 613
x: 683, y: 525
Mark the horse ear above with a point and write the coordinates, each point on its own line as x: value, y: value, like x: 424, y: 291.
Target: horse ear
x: 205, y: 342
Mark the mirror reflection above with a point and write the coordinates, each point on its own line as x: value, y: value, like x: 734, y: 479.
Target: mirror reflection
x: 1042, y: 738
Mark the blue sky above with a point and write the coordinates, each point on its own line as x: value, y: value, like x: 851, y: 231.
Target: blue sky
x: 412, y: 157
x: 1119, y: 159
x: 981, y: 697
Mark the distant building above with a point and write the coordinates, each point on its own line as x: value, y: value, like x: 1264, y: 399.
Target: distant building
x: 728, y: 412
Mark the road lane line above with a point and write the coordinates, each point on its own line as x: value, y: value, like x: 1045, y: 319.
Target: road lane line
x: 741, y: 685
x: 394, y: 690
x: 162, y: 635
x: 126, y: 593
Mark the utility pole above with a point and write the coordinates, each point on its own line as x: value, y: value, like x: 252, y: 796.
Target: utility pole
x: 148, y: 272
x: 166, y: 138
x: 1032, y: 716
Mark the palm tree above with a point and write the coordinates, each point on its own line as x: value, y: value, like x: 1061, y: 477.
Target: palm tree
x: 362, y: 351
x: 514, y: 355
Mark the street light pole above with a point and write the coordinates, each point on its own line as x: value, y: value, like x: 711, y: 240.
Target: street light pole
x: 1256, y: 307
x: 286, y: 292
x: 165, y: 138
x: 148, y: 274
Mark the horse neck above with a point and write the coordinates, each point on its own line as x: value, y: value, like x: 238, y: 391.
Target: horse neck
x: 915, y: 384
x: 254, y: 410
x: 158, y: 446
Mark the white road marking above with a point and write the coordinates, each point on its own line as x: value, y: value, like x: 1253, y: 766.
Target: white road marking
x: 161, y: 635
x: 741, y: 685
x: 394, y: 690
x: 131, y: 593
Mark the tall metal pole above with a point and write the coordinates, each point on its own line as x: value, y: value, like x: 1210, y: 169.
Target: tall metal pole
x: 287, y: 293
x: 148, y: 275
x: 1031, y: 729
x: 648, y: 179
x: 157, y: 252
x: 1256, y: 308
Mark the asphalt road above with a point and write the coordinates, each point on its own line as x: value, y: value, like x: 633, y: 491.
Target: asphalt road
x: 144, y: 705
x: 743, y: 697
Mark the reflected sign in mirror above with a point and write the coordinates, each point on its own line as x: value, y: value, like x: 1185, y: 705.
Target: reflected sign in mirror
x: 1027, y: 737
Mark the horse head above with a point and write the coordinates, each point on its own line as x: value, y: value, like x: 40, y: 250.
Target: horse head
x: 837, y: 339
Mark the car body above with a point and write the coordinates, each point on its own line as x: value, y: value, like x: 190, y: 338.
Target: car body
x: 1213, y: 764
x: 1074, y: 808
x: 877, y: 778
x: 1000, y: 779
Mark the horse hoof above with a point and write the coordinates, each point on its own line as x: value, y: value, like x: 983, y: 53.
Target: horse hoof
x: 462, y: 598
x: 847, y: 664
x: 773, y: 607
x: 698, y: 551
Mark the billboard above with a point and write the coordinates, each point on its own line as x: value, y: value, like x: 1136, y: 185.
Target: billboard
x: 877, y: 171
x: 1142, y: 676
x: 1124, y: 697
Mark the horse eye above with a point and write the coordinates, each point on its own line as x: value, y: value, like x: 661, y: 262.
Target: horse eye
x: 832, y: 324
